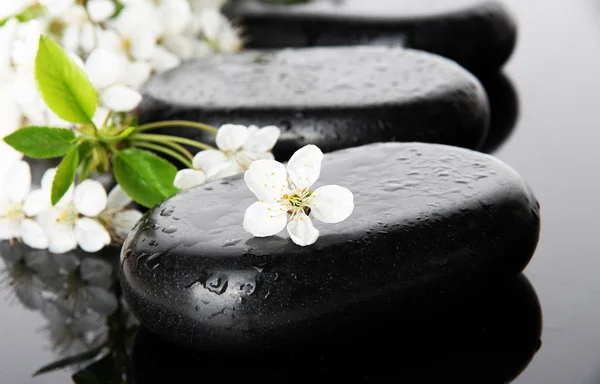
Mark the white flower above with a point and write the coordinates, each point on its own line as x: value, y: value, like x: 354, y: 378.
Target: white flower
x: 219, y: 31
x: 18, y: 205
x: 107, y: 72
x: 238, y: 147
x: 116, y: 218
x: 72, y: 220
x: 285, y: 198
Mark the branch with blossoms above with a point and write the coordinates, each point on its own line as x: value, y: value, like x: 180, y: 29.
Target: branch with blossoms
x: 73, y: 210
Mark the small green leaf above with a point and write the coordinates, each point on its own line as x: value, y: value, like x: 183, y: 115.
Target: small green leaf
x: 65, y: 175
x: 63, y: 85
x: 42, y: 142
x: 145, y: 177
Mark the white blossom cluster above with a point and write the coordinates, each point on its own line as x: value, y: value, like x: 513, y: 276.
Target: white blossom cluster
x: 120, y: 43
x: 86, y: 217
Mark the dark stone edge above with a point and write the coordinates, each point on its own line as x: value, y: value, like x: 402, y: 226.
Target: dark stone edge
x: 495, y: 32
x: 464, y: 115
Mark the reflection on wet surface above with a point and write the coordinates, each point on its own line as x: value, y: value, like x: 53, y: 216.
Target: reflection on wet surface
x: 488, y: 340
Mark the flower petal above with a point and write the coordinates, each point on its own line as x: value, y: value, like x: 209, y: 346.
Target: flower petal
x: 104, y: 67
x: 331, y: 203
x: 265, y: 219
x: 188, y: 178
x: 100, y: 116
x: 62, y: 239
x: 136, y: 74
x: 227, y: 169
x: 267, y: 180
x: 231, y: 137
x: 213, y: 22
x: 120, y: 98
x: 100, y: 10
x: 33, y: 234
x: 302, y: 231
x: 17, y: 182
x: 91, y: 235
x: 175, y: 15
x: 117, y: 199
x: 304, y: 166
x: 208, y: 159
x: 163, y: 60
x: 9, y: 229
x: 123, y: 222
x: 36, y: 202
x: 90, y: 198
x: 262, y: 140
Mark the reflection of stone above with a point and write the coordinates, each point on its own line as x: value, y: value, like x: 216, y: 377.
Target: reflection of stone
x: 332, y: 97
x: 478, y: 34
x: 489, y: 339
x: 429, y: 221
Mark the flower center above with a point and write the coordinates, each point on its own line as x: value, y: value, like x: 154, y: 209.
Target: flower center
x: 15, y: 212
x: 68, y: 215
x: 297, y: 202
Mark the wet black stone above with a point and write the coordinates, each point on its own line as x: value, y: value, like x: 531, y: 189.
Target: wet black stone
x: 332, y: 97
x: 430, y: 222
x: 478, y: 34
x: 487, y: 339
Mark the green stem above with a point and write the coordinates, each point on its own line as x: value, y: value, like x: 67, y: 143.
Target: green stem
x: 177, y: 123
x: 179, y: 148
x: 166, y: 151
x: 166, y: 138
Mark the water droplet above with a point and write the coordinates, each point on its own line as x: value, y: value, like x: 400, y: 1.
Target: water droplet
x: 167, y: 211
x: 170, y: 229
x: 208, y: 188
x: 247, y: 289
x: 231, y: 242
x: 216, y: 283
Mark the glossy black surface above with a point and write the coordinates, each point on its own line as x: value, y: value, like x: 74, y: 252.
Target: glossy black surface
x: 332, y: 97
x: 478, y: 34
x: 489, y: 341
x: 554, y: 146
x: 429, y: 221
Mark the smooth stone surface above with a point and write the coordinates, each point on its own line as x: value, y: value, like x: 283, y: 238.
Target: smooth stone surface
x: 430, y: 222
x: 485, y: 340
x: 332, y: 97
x: 478, y: 34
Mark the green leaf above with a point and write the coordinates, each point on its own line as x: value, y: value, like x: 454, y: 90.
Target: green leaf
x: 145, y: 177
x: 65, y: 175
x: 31, y: 12
x: 42, y: 142
x: 63, y: 85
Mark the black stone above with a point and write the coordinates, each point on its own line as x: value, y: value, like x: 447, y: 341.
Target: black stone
x: 430, y: 222
x: 478, y: 34
x: 490, y: 339
x: 332, y: 97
